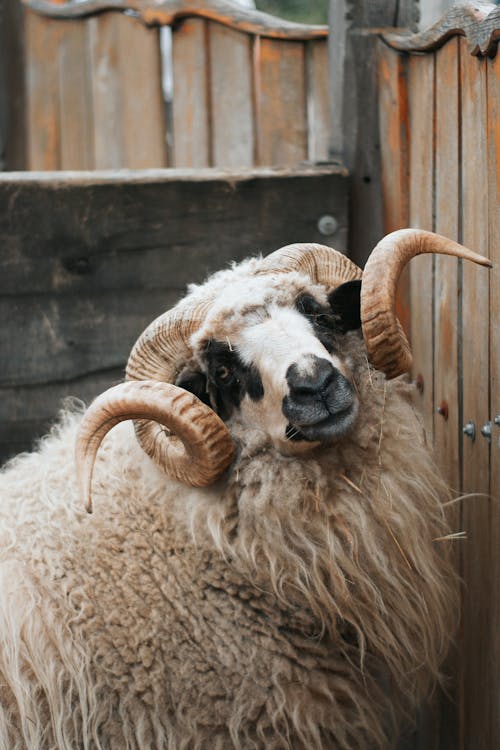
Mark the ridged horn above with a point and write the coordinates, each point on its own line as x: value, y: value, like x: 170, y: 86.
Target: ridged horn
x: 322, y: 264
x: 386, y: 343
x: 197, y: 452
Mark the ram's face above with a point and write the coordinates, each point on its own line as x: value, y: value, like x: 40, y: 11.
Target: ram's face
x: 284, y: 371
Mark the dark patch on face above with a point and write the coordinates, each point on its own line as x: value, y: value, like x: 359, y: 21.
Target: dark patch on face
x: 345, y: 305
x: 321, y: 317
x: 342, y: 314
x: 228, y: 381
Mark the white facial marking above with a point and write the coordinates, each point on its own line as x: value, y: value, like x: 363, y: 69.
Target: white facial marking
x: 272, y: 344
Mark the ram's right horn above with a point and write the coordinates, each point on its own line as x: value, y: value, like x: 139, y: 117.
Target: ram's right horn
x: 199, y: 447
x: 387, y: 345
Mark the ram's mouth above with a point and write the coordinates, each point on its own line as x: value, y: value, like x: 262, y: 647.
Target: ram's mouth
x: 331, y: 428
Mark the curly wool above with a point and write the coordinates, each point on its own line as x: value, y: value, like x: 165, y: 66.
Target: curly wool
x: 298, y: 603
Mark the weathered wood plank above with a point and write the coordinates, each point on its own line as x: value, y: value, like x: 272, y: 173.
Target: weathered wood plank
x: 476, y: 653
x: 493, y: 76
x: 142, y: 105
x: 89, y: 259
x: 231, y: 94
x: 169, y: 12
x: 43, y: 147
x: 106, y: 91
x: 75, y: 97
x: 447, y: 424
x: 394, y: 154
x: 281, y: 102
x: 191, y: 117
x: 318, y: 114
x: 421, y: 113
x: 12, y: 86
x: 446, y: 269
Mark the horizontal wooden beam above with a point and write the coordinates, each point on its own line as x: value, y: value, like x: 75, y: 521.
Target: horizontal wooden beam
x: 478, y: 22
x: 89, y: 259
x: 169, y: 12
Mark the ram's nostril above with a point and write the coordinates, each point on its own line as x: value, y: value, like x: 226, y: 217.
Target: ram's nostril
x: 315, y: 381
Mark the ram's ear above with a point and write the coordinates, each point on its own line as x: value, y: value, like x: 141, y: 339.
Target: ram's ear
x: 195, y: 382
x: 344, y: 301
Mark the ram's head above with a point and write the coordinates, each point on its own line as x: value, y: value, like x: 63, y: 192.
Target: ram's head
x: 264, y: 338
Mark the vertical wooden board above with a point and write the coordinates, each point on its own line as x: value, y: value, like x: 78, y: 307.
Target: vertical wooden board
x: 476, y: 654
x: 281, y: 102
x: 42, y: 39
x: 393, y: 125
x: 75, y: 97
x: 493, y: 75
x: 318, y: 110
x: 106, y: 91
x: 142, y: 105
x: 12, y: 60
x: 421, y: 198
x: 446, y: 269
x: 446, y: 375
x: 191, y: 116
x: 231, y: 96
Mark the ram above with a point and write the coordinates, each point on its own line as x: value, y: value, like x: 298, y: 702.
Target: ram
x: 266, y: 565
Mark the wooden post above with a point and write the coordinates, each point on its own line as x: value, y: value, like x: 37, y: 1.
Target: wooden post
x: 354, y: 134
x: 11, y: 86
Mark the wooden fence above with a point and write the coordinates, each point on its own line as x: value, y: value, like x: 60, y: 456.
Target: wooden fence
x: 248, y: 88
x: 89, y: 259
x: 439, y: 97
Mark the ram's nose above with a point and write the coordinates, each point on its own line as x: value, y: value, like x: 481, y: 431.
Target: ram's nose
x: 320, y: 403
x: 313, y: 382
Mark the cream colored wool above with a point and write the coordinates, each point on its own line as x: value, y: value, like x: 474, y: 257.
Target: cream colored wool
x: 299, y: 603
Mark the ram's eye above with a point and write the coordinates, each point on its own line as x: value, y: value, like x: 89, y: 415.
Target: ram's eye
x: 223, y: 374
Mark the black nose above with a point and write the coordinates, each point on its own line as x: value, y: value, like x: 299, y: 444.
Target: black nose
x: 316, y: 381
x: 316, y: 393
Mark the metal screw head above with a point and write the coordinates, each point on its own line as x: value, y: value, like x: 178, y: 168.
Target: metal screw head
x: 470, y: 430
x: 486, y: 431
x: 497, y: 420
x: 327, y: 225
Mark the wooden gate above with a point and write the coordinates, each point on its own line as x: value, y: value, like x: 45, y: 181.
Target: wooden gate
x: 248, y: 89
x: 440, y: 136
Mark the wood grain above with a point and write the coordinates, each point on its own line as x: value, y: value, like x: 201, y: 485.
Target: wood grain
x: 447, y: 183
x: 394, y: 154
x: 281, y: 103
x: 231, y: 93
x: 143, y: 122
x: 42, y: 95
x: 476, y: 656
x: 421, y: 178
x: 493, y: 147
x: 191, y: 117
x: 447, y: 413
x: 106, y: 91
x: 89, y: 259
x: 318, y: 122
x: 75, y: 97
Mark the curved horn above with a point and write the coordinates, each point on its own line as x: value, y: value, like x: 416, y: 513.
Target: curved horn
x: 387, y: 345
x: 323, y: 264
x: 198, y: 451
x: 163, y: 348
x: 159, y: 354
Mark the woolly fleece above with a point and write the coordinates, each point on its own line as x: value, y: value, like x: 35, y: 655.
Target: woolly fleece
x: 300, y: 603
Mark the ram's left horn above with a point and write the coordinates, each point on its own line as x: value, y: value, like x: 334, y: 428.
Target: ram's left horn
x: 201, y: 453
x: 387, y: 346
